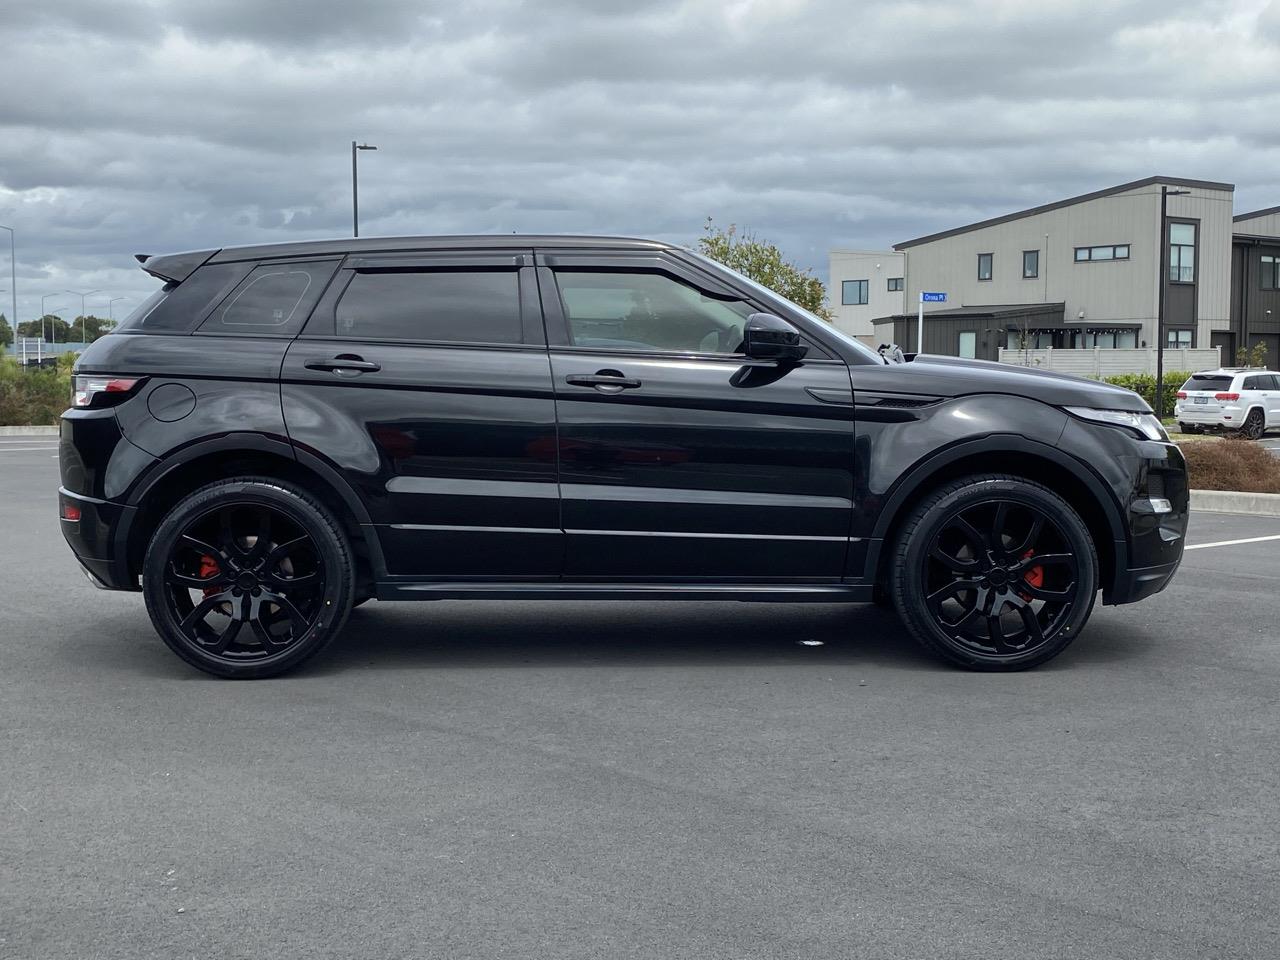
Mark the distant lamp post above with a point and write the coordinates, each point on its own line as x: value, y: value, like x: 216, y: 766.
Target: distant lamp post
x: 355, y: 187
x: 76, y: 293
x: 44, y: 313
x: 111, y: 312
x: 1165, y: 194
x: 13, y: 286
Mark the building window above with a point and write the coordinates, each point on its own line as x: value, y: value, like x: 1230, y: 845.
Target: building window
x: 968, y: 345
x: 1178, y: 338
x: 895, y: 284
x: 1030, y: 264
x: 984, y: 266
x: 1182, y: 252
x: 853, y: 293
x: 1270, y: 273
x: 1110, y: 251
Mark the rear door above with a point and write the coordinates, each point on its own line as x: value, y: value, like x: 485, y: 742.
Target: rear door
x: 424, y: 379
x: 679, y: 458
x: 1202, y: 391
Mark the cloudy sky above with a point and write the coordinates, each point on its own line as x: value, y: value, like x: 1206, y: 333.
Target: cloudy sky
x: 158, y: 125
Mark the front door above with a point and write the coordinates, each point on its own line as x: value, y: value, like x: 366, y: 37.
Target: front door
x: 425, y: 381
x: 679, y: 459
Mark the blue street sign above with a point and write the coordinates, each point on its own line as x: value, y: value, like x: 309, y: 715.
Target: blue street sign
x: 933, y: 298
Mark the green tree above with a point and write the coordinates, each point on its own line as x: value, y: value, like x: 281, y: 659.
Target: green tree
x: 6, y: 331
x: 94, y: 327
x: 52, y: 328
x: 764, y: 263
x: 1257, y: 357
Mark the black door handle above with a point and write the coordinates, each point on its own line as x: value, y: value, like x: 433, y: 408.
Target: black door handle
x: 605, y: 381
x: 344, y: 363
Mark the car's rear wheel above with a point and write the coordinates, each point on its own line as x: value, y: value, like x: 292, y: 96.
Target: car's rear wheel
x: 1254, y: 425
x: 1188, y: 428
x: 994, y: 573
x: 248, y: 578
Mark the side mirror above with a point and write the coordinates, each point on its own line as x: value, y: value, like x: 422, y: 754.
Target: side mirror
x: 768, y: 337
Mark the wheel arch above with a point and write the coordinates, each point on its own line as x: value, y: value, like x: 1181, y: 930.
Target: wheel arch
x: 199, y: 464
x: 1017, y: 456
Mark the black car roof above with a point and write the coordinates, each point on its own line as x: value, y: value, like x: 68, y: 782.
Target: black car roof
x: 178, y: 266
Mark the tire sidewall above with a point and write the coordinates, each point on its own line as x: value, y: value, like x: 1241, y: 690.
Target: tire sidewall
x: 911, y: 590
x: 330, y: 545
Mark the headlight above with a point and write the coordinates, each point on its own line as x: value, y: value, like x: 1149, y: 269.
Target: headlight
x: 1146, y: 425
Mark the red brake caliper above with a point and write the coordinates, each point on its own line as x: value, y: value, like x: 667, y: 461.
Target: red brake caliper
x: 1033, y: 576
x: 208, y: 568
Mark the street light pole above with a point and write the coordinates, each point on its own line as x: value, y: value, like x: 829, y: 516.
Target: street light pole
x: 355, y: 187
x: 42, y: 312
x: 1165, y: 194
x: 76, y: 293
x: 111, y: 312
x: 13, y: 286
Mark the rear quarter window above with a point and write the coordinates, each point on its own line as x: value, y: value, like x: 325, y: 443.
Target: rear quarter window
x: 274, y: 300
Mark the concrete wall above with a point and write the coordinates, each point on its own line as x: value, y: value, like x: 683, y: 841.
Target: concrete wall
x: 876, y: 267
x: 1117, y: 290
x: 1098, y: 363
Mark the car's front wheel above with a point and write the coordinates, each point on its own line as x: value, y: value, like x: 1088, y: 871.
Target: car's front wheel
x: 994, y: 573
x: 247, y: 578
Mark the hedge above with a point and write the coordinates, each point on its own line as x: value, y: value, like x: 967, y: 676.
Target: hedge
x: 1144, y: 384
x: 34, y: 396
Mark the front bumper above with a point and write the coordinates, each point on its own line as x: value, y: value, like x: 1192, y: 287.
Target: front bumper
x: 1134, y: 584
x: 98, y: 539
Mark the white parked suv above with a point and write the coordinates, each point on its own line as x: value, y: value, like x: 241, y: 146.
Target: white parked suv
x: 1232, y: 398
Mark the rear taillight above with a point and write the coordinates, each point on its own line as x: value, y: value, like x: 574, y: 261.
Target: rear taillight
x: 1226, y: 396
x: 1182, y: 394
x: 70, y: 511
x: 102, y: 391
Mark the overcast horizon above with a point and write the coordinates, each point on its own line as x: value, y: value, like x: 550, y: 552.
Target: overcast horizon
x: 155, y: 127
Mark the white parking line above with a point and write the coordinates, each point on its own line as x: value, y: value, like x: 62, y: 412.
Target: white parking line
x: 1231, y: 543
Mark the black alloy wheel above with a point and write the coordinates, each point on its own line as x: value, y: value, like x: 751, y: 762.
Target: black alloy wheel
x: 995, y: 573
x: 1254, y: 425
x: 247, y: 578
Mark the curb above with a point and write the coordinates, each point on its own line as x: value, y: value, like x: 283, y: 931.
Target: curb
x: 1228, y: 501
x: 51, y: 431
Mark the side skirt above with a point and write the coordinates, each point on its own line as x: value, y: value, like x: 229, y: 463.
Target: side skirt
x: 745, y: 592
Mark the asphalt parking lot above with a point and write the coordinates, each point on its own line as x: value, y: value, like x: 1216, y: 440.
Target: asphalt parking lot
x: 623, y: 780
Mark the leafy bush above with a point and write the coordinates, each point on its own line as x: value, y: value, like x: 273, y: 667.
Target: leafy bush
x: 1144, y: 384
x: 1246, y: 467
x: 34, y: 396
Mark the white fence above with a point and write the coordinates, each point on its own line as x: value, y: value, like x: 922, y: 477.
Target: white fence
x: 1105, y: 362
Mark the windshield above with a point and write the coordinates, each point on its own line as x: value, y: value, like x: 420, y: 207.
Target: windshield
x: 858, y: 345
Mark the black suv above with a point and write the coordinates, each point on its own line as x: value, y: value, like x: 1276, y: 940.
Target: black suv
x: 282, y: 432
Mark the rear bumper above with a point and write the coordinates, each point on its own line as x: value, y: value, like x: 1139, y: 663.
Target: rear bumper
x: 98, y: 539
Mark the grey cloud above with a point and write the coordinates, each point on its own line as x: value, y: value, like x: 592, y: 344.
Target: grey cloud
x: 164, y: 126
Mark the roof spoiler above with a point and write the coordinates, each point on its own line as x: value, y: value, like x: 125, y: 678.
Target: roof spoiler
x: 174, y: 267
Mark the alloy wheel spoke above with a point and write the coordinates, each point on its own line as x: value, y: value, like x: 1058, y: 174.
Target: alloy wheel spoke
x: 263, y: 539
x: 1035, y: 634
x: 951, y: 562
x: 176, y: 577
x: 997, y: 528
x: 972, y: 533
x: 282, y: 550
x: 1029, y: 541
x: 1051, y: 596
x: 1044, y: 560
x: 204, y: 608
x: 225, y: 638
x: 282, y: 582
x: 995, y: 633
x: 950, y: 590
x: 296, y: 619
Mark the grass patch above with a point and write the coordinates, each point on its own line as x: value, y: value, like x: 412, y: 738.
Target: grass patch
x: 1232, y: 465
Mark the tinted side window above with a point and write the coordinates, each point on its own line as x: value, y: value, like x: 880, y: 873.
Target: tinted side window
x: 274, y: 300
x: 648, y: 311
x: 453, y: 306
x: 1253, y: 383
x: 187, y: 303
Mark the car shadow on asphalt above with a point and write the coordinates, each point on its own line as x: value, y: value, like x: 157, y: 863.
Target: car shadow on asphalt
x: 499, y: 634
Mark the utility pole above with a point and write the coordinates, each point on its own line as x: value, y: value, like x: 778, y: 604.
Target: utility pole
x: 355, y: 187
x: 1165, y: 194
x: 76, y: 293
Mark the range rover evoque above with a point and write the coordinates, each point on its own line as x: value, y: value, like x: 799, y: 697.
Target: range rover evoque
x: 281, y: 432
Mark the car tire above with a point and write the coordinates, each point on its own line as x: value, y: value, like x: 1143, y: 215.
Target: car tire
x: 248, y: 578
x: 963, y: 573
x: 1255, y: 425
